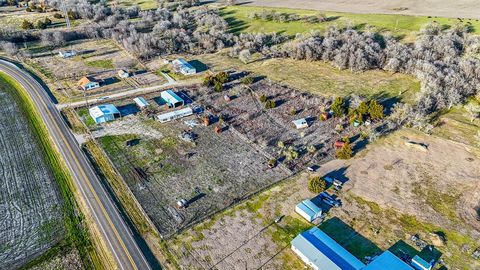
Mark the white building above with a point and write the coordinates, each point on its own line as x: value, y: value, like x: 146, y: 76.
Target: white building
x: 172, y: 99
x: 104, y: 113
x: 141, y: 102
x: 308, y: 210
x: 173, y: 115
x: 300, y: 123
x: 123, y: 74
x: 67, y: 54
x: 182, y: 66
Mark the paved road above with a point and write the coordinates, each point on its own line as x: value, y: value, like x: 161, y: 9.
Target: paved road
x: 112, y: 227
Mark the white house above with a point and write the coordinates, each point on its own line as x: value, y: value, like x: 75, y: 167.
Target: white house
x: 88, y: 84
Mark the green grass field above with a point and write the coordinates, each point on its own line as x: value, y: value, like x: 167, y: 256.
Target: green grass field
x: 402, y: 26
x: 106, y: 63
x: 322, y: 78
x: 143, y: 4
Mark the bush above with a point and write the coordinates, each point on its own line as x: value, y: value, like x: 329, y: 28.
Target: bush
x: 345, y: 152
x: 247, y: 80
x: 27, y: 25
x: 57, y: 16
x: 28, y: 9
x: 338, y: 107
x: 375, y: 110
x: 316, y: 184
x: 218, y: 86
x: 270, y: 104
x: 263, y: 98
x: 41, y: 25
x: 48, y: 21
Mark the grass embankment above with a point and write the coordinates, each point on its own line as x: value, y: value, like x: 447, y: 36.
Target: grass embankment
x: 77, y: 233
x: 402, y: 26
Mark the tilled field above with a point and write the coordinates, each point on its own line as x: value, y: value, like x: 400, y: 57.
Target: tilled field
x: 30, y: 216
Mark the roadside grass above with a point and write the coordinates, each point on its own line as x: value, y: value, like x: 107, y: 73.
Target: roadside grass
x: 77, y: 232
x: 86, y: 118
x: 402, y: 26
x: 105, y: 63
x: 75, y: 124
x: 322, y: 78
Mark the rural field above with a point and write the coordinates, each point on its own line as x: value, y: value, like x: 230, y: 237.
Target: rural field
x: 404, y: 27
x: 31, y: 206
x: 391, y: 192
x: 449, y: 9
x: 321, y: 78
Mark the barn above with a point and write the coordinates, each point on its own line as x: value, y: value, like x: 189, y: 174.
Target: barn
x: 104, y: 113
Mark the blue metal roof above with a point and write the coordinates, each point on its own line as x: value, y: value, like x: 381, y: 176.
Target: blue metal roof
x: 306, y: 210
x: 171, y: 97
x: 312, y: 206
x: 387, y: 260
x: 140, y: 101
x: 323, y: 252
x: 417, y: 260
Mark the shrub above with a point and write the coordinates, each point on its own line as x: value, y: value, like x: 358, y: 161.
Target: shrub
x: 270, y: 104
x: 375, y: 110
x: 338, y: 107
x: 291, y: 153
x: 28, y: 9
x: 57, y: 16
x: 27, y: 25
x: 218, y: 86
x: 247, y: 80
x: 345, y: 152
x: 41, y: 25
x: 48, y: 21
x: 263, y: 98
x: 316, y: 184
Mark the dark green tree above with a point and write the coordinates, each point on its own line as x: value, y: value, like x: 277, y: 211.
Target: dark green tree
x: 316, y: 184
x: 338, y: 107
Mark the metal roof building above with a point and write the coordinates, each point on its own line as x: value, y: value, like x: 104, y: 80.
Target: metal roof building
x: 170, y: 116
x: 300, y: 123
x: 141, y: 102
x: 183, y: 66
x: 172, y: 99
x: 321, y: 252
x: 387, y: 260
x: 308, y: 210
x: 104, y: 113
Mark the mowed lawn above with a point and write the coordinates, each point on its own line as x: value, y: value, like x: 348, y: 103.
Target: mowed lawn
x: 402, y: 26
x: 143, y: 4
x: 322, y: 78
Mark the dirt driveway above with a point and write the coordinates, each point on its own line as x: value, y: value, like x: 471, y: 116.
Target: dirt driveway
x: 449, y: 9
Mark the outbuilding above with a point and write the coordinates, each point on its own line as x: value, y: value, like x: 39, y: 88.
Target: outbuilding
x: 172, y: 99
x: 182, y: 66
x: 420, y: 264
x: 387, y: 260
x: 123, y: 74
x: 320, y: 252
x: 67, y: 54
x: 104, y: 113
x: 173, y: 115
x: 87, y: 83
x: 308, y: 210
x: 141, y: 102
x: 300, y: 123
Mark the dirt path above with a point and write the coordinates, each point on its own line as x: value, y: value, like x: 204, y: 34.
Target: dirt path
x: 449, y: 9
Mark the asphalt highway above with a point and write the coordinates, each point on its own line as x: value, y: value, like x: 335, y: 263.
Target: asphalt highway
x: 113, y: 228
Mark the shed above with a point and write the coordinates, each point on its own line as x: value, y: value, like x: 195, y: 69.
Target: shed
x: 123, y: 74
x: 87, y: 83
x: 141, y: 102
x: 104, y: 113
x: 300, y: 123
x: 183, y: 66
x: 172, y: 99
x: 308, y: 210
x: 67, y: 54
x: 387, y: 260
x: 319, y: 251
x: 170, y: 116
x: 420, y: 264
